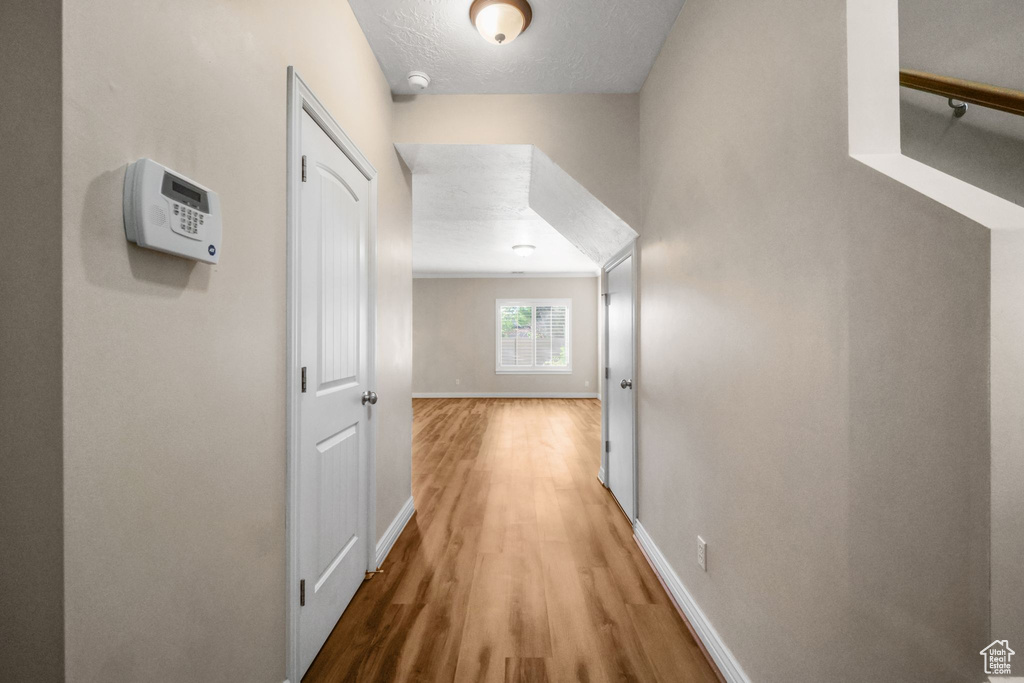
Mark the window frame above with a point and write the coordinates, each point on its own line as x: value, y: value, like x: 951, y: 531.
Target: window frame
x: 534, y: 369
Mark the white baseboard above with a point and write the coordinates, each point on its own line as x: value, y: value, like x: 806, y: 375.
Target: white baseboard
x: 507, y: 395
x: 395, y: 529
x: 600, y: 476
x: 727, y: 664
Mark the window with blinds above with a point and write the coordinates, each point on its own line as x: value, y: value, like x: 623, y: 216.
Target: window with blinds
x: 534, y: 336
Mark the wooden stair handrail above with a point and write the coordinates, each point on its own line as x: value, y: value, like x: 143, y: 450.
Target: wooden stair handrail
x: 991, y: 96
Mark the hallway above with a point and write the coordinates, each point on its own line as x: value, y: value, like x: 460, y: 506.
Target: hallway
x: 517, y: 566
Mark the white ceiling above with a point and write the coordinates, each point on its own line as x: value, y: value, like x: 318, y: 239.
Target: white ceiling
x: 572, y: 46
x: 473, y: 203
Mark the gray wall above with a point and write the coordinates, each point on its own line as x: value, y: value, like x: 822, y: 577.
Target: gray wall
x: 981, y: 41
x: 174, y: 504
x: 1008, y: 436
x: 454, y: 335
x: 31, y: 436
x: 814, y: 364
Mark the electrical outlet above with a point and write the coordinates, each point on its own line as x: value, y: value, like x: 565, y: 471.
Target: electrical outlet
x: 458, y: 382
x: 587, y: 384
x: 702, y: 553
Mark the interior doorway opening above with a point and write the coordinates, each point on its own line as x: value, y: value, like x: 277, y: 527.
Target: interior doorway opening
x: 502, y: 228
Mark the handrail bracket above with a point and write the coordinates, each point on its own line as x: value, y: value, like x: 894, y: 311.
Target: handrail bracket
x: 959, y: 108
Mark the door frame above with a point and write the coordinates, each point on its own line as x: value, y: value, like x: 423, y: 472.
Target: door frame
x: 632, y: 250
x: 301, y: 99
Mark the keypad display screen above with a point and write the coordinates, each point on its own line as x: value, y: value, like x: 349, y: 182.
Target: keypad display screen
x: 188, y: 192
x: 182, y: 191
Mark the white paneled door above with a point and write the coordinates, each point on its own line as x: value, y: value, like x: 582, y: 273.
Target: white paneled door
x: 621, y: 468
x: 333, y: 420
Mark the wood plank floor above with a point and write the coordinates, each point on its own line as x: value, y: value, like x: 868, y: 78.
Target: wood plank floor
x: 518, y: 565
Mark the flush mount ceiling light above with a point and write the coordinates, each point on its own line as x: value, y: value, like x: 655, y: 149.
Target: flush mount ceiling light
x: 500, y: 21
x: 523, y: 250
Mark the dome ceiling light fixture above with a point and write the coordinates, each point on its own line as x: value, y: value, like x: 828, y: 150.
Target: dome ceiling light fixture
x: 500, y: 21
x: 523, y: 250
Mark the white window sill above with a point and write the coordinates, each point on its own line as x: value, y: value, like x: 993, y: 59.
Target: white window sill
x: 533, y: 371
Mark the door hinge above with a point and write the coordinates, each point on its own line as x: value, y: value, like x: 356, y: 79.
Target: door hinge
x: 607, y: 373
x: 607, y: 297
x: 303, y: 168
x: 607, y: 446
x: 303, y: 380
x: 302, y: 593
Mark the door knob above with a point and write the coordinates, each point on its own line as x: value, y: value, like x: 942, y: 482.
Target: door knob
x: 370, y: 397
x: 626, y: 384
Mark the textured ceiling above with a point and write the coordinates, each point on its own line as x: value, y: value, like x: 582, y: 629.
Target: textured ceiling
x: 473, y: 203
x: 572, y: 46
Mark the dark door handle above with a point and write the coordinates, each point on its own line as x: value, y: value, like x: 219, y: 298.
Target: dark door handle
x: 370, y: 397
x: 626, y: 384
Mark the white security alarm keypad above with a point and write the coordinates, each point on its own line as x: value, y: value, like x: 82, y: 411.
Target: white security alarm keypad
x: 166, y: 211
